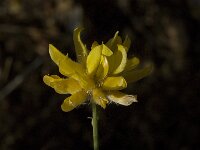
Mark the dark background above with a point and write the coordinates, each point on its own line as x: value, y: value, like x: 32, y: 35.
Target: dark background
x: 165, y: 33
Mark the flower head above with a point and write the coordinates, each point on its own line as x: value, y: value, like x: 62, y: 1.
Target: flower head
x: 98, y: 74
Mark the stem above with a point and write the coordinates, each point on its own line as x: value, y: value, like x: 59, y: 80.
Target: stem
x: 95, y: 126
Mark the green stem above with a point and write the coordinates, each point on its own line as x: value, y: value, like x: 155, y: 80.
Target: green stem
x: 95, y: 126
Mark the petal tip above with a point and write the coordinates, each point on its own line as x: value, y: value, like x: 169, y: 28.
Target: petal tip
x: 63, y: 108
x: 78, y: 29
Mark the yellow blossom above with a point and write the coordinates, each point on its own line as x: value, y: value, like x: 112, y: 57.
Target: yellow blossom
x: 98, y: 75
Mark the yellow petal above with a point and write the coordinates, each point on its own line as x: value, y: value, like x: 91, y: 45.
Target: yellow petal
x: 93, y: 60
x: 117, y: 61
x: 99, y: 97
x: 132, y: 63
x: 121, y: 98
x: 55, y: 54
x: 66, y: 66
x: 103, y: 68
x: 106, y: 51
x: 135, y: 75
x: 94, y: 44
x: 114, y: 83
x: 81, y: 50
x: 127, y: 43
x: 76, y: 71
x: 70, y: 68
x: 112, y: 43
x: 73, y: 101
x: 62, y: 86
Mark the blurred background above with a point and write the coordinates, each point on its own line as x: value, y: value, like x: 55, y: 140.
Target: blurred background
x: 165, y: 33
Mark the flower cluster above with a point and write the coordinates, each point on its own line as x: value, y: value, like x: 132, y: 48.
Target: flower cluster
x: 98, y: 75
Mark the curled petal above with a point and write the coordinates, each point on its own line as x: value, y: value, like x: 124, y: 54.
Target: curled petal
x: 55, y: 54
x: 135, y: 75
x: 62, y: 86
x: 117, y: 61
x: 73, y: 101
x: 93, y: 60
x: 112, y: 43
x: 99, y: 97
x: 103, y: 68
x: 114, y: 83
x: 127, y: 43
x: 121, y: 98
x: 132, y: 63
x: 81, y: 50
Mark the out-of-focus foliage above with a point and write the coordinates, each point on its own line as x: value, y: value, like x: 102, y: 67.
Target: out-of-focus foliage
x: 163, y: 32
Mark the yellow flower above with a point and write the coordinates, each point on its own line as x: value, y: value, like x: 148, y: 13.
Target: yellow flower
x: 98, y: 75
